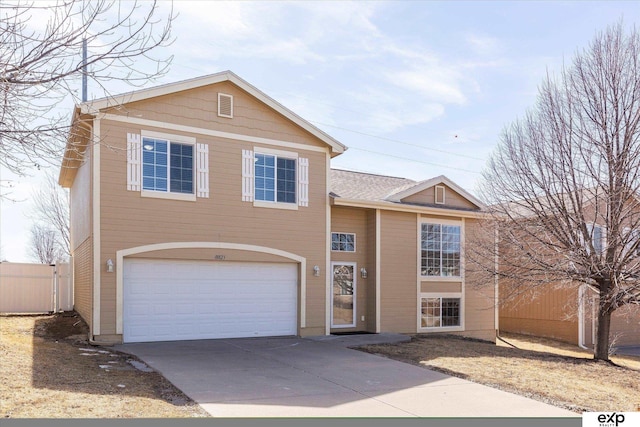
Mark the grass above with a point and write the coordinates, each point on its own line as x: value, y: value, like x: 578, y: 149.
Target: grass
x: 545, y: 370
x: 48, y: 370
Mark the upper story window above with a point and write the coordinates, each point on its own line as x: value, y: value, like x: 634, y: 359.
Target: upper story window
x: 275, y: 178
x: 598, y: 239
x: 167, y: 166
x: 440, y: 250
x: 343, y: 242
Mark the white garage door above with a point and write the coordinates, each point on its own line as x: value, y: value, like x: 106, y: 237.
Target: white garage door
x: 168, y: 300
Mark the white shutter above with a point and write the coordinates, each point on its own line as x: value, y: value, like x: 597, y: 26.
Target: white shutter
x: 134, y: 151
x: 303, y: 182
x: 202, y: 170
x: 247, y: 175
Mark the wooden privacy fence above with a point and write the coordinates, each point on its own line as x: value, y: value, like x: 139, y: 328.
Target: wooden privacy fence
x: 35, y: 288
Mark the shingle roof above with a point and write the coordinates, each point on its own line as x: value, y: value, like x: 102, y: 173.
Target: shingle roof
x: 366, y: 186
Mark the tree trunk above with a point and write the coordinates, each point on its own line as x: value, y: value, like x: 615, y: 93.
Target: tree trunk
x: 601, y: 351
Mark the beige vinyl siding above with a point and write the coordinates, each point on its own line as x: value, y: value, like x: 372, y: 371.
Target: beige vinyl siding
x: 625, y: 326
x: 199, y: 108
x: 398, y: 270
x: 354, y: 220
x: 548, y: 312
x: 83, y: 280
x: 431, y: 286
x: 452, y: 198
x: 479, y: 296
x: 80, y: 204
x: 479, y: 315
x: 129, y: 220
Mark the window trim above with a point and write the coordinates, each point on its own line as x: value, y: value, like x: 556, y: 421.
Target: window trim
x: 355, y: 248
x: 425, y: 220
x: 441, y: 296
x: 170, y: 138
x: 291, y: 155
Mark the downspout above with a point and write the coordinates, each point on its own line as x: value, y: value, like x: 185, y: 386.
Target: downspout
x: 54, y: 293
x: 581, y: 296
x: 496, y: 266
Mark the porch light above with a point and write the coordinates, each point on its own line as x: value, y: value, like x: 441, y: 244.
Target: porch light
x: 316, y: 270
x: 109, y: 266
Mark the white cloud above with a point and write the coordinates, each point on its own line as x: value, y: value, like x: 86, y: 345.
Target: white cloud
x: 435, y: 84
x: 484, y: 45
x: 297, y: 32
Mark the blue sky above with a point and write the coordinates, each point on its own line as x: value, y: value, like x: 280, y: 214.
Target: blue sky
x: 414, y: 89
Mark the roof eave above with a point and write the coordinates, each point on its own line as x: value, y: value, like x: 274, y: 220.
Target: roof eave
x: 423, y: 185
x: 73, y: 151
x: 401, y: 207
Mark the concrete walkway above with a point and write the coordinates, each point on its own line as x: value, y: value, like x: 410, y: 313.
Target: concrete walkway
x: 294, y: 377
x: 630, y: 350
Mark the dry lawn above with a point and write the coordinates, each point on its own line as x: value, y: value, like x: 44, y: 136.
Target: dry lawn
x: 48, y: 370
x: 545, y: 370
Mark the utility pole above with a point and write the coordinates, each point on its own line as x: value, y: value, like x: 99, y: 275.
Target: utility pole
x: 84, y: 70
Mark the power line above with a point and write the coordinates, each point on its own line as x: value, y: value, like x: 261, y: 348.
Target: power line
x: 383, y: 138
x: 414, y: 160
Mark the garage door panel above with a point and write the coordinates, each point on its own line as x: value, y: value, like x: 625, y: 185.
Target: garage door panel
x: 179, y: 300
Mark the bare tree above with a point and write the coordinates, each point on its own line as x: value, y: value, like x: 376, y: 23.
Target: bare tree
x: 41, y: 64
x: 564, y: 182
x: 51, y: 208
x: 44, y: 245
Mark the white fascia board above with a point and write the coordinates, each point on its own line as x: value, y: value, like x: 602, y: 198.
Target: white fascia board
x: 423, y: 185
x: 91, y: 107
x: 336, y: 146
x: 391, y: 206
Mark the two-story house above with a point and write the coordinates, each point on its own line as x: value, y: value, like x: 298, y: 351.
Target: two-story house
x: 205, y: 209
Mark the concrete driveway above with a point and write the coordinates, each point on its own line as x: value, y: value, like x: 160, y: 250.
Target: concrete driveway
x: 295, y: 377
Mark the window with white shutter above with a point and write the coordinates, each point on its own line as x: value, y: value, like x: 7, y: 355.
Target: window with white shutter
x: 247, y: 175
x: 303, y: 182
x: 133, y: 161
x: 202, y: 170
x: 167, y: 166
x: 275, y: 178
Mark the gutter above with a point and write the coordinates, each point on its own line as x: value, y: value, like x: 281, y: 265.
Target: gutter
x: 390, y: 206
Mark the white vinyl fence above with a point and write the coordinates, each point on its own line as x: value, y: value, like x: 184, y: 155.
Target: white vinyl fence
x: 35, y: 288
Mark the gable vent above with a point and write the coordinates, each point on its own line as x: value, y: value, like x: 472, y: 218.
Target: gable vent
x: 439, y: 195
x: 225, y: 105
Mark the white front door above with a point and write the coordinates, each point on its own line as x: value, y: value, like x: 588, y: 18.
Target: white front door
x: 343, y: 291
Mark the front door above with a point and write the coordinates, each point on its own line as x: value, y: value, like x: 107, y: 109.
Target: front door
x: 343, y: 288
